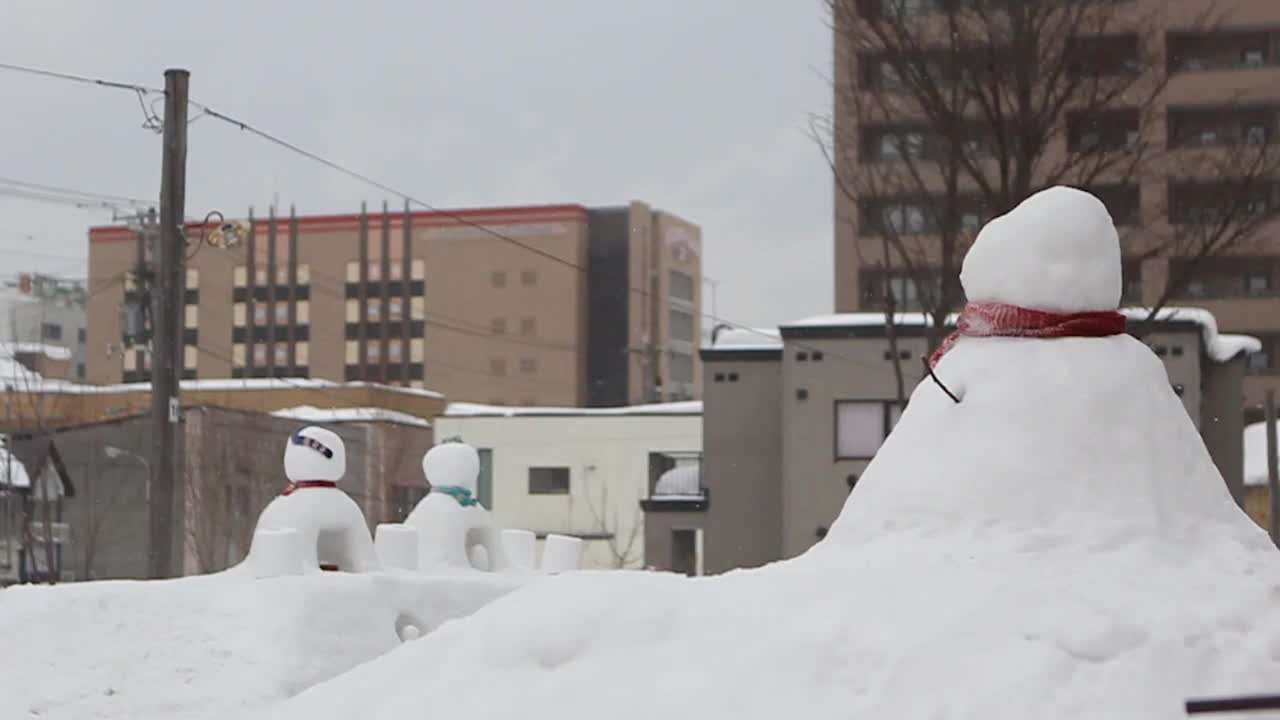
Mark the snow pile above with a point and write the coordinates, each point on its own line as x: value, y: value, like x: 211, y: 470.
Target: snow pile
x: 53, y: 352
x: 312, y: 414
x: 12, y: 472
x: 209, y: 646
x: 1255, y: 453
x: 1056, y: 545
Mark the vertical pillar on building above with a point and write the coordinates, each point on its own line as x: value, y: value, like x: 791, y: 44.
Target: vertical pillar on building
x: 384, y: 270
x: 406, y: 296
x: 271, y: 292
x: 293, y: 288
x: 251, y: 283
x: 362, y: 339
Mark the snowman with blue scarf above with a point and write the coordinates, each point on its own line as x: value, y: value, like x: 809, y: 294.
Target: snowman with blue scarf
x: 454, y: 529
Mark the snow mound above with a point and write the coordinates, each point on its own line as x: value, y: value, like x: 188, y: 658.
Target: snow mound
x: 1057, y: 250
x: 1057, y: 545
x: 209, y: 646
x: 1219, y: 347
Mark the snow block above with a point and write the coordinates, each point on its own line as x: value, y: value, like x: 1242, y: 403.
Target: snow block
x: 276, y: 553
x: 396, y: 546
x: 521, y: 547
x: 561, y: 553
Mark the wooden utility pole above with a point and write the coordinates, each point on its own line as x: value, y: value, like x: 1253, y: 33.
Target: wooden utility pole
x: 166, y: 337
x: 1273, y: 475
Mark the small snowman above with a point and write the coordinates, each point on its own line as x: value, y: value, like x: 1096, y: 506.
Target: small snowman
x: 331, y: 529
x: 454, y: 529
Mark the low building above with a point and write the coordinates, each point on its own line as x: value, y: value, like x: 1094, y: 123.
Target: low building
x: 47, y: 310
x: 792, y: 419
x: 233, y: 468
x: 584, y: 472
x: 34, y: 488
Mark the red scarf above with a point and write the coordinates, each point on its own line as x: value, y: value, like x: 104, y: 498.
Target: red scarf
x: 994, y: 319
x: 296, y: 485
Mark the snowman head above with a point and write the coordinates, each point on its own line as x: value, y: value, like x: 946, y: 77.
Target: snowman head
x: 314, y: 453
x: 1058, y: 250
x: 452, y: 463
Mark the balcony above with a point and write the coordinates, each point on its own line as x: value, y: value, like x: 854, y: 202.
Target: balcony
x: 676, y: 483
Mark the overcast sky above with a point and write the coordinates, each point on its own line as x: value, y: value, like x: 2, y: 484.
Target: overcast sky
x: 698, y: 107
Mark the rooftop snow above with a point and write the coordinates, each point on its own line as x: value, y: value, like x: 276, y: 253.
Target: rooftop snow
x: 53, y: 352
x: 309, y: 413
x: 747, y: 339
x: 461, y: 409
x: 1220, y: 348
x: 12, y: 472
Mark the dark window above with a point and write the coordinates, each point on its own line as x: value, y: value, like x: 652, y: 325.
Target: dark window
x: 733, y: 377
x: 1260, y: 360
x: 802, y: 394
x: 802, y: 356
x: 681, y: 368
x: 50, y: 331
x: 528, y: 326
x: 498, y: 326
x: 80, y: 335
x: 80, y: 370
x: 719, y: 377
x: 528, y: 277
x: 497, y: 366
x: 1176, y: 351
x: 681, y: 325
x: 528, y: 365
x: 1099, y: 131
x: 498, y: 279
x: 1257, y: 283
x: 817, y: 356
x: 549, y: 481
x: 1097, y: 56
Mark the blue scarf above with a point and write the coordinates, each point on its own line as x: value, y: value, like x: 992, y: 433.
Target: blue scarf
x: 461, y: 494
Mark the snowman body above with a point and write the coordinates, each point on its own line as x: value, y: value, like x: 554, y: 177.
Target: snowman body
x: 330, y: 527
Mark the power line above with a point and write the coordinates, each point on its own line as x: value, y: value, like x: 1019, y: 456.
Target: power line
x: 56, y: 189
x: 315, y: 157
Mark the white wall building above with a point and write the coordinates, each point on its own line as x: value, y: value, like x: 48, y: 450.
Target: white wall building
x: 44, y: 309
x: 577, y: 471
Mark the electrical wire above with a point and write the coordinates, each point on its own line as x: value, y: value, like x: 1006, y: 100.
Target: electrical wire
x: 244, y: 126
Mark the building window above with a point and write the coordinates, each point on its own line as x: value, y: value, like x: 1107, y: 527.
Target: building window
x: 528, y: 277
x: 80, y: 336
x: 372, y: 351
x: 373, y: 309
x: 484, y: 483
x: 1253, y: 58
x: 497, y: 366
x: 394, y: 350
x: 528, y: 365
x: 861, y: 427
x: 528, y: 326
x: 259, y: 314
x: 50, y: 331
x: 682, y: 287
x: 548, y: 481
x: 395, y: 309
x: 817, y: 356
x: 498, y: 326
x: 682, y: 368
x: 259, y: 355
x: 282, y: 313
x: 1257, y: 284
x: 681, y: 325
x: 1255, y: 134
x: 1196, y: 289
x: 80, y: 370
x: 281, y: 355
x: 1260, y: 360
x: 498, y: 279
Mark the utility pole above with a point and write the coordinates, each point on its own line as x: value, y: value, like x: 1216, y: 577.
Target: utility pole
x: 1273, y: 475
x: 166, y: 338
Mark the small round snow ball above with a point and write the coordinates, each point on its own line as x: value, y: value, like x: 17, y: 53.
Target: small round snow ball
x: 1058, y: 250
x: 314, y: 453
x: 454, y: 464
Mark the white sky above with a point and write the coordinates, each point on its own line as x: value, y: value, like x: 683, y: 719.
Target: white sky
x: 699, y: 107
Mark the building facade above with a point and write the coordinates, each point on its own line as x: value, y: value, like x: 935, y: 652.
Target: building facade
x: 790, y: 423
x: 50, y: 311
x: 555, y: 304
x: 1221, y: 91
x: 582, y: 472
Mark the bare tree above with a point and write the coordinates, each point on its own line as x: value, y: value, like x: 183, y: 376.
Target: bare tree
x: 623, y: 550
x: 947, y: 118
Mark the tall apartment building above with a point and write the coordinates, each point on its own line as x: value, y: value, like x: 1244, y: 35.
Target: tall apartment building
x: 46, y: 310
x: 1223, y: 88
x: 545, y: 305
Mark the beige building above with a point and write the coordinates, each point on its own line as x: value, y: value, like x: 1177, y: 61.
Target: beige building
x: 551, y: 305
x: 1223, y: 92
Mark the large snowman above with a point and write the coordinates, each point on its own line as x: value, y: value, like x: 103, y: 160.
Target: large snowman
x: 1054, y: 542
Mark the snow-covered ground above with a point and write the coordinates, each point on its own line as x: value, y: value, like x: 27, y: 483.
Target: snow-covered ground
x: 209, y: 646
